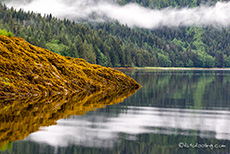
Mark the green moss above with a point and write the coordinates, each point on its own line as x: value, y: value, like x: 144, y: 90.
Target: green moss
x: 4, y: 32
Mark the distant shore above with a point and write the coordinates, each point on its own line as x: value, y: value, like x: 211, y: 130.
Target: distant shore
x: 171, y: 68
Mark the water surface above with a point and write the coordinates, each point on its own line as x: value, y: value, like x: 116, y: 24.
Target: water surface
x: 175, y: 111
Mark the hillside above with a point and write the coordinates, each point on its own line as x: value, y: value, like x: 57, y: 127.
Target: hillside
x: 29, y: 70
x: 171, y: 3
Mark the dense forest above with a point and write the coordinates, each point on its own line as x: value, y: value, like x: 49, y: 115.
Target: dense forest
x: 112, y: 44
x: 170, y: 3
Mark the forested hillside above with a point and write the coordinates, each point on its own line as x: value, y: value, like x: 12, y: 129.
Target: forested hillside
x: 113, y: 44
x: 170, y: 3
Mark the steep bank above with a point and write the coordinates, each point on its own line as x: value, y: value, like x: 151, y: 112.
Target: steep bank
x: 26, y: 69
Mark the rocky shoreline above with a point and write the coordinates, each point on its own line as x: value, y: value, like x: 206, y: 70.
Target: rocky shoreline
x: 28, y: 70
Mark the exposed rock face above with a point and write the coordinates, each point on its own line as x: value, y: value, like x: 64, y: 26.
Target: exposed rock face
x: 26, y: 70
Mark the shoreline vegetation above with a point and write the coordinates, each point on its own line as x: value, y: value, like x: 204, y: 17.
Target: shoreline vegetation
x: 4, y: 32
x: 28, y: 70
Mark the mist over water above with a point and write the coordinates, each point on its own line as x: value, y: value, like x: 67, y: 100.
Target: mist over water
x: 131, y: 14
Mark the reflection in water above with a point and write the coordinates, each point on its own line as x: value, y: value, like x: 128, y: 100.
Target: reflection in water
x: 19, y: 118
x: 101, y: 131
x: 172, y: 106
x: 199, y: 89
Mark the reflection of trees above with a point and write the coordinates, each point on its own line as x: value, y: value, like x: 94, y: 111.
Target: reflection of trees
x: 182, y: 88
x: 19, y: 118
x: 218, y: 91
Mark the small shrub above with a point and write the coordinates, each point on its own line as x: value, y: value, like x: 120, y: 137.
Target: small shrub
x: 4, y: 32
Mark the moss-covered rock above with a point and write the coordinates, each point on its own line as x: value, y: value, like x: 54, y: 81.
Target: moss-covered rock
x: 27, y: 70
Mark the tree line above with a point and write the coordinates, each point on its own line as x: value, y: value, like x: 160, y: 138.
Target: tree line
x: 158, y: 4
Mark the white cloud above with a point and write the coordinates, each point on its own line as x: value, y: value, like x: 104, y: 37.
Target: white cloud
x: 132, y: 14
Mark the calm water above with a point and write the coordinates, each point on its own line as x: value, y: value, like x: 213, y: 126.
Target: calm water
x: 174, y: 112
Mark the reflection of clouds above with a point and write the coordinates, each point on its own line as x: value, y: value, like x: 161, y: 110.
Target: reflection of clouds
x: 100, y: 131
x: 75, y: 131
